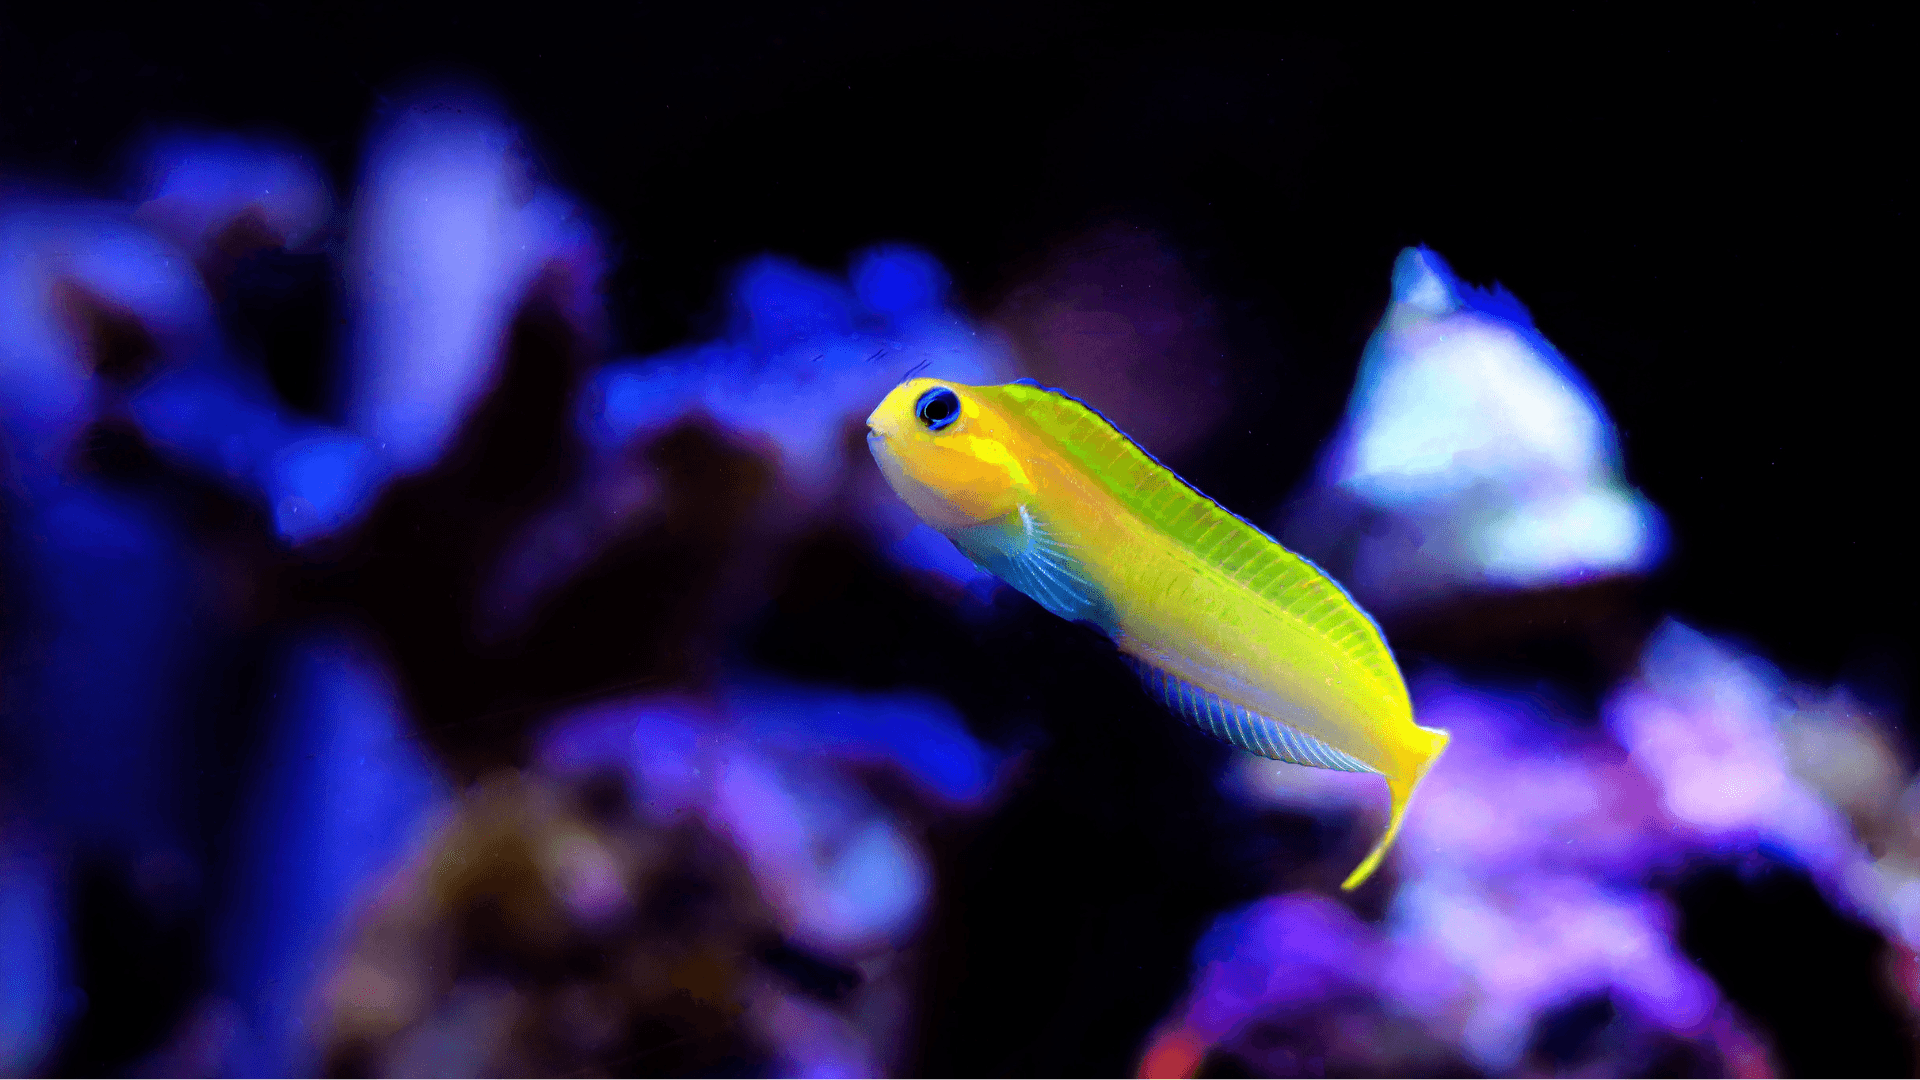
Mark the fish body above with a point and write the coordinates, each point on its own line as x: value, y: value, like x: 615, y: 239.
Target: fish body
x: 1238, y: 635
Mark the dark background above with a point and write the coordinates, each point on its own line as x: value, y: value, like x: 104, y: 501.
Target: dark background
x: 1702, y: 214
x: 1701, y: 211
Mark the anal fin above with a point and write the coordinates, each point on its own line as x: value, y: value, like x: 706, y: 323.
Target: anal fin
x: 1240, y: 726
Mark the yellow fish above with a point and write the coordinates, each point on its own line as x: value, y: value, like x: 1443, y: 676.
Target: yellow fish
x: 1239, y: 636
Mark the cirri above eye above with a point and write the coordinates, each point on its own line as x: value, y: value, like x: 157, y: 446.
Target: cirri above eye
x: 938, y: 408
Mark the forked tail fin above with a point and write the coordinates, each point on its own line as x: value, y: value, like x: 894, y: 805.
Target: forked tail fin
x: 1401, y: 788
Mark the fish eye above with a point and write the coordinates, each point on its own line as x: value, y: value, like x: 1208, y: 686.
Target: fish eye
x: 937, y: 408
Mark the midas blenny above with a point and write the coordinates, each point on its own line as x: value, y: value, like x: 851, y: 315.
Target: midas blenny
x: 1239, y: 636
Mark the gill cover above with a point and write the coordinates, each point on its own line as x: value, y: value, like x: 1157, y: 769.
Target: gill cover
x: 943, y: 452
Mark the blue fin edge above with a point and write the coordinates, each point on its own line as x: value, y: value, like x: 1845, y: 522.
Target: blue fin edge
x: 1242, y: 727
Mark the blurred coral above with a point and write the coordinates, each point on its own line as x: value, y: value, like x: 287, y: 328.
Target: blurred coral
x: 544, y: 931
x: 1473, y: 456
x: 396, y: 683
x: 1542, y: 918
x: 1534, y: 878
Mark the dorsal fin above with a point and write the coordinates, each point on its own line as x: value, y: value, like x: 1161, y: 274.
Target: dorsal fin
x: 1232, y: 544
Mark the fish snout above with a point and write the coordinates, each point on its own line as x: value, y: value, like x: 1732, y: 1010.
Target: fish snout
x: 878, y: 444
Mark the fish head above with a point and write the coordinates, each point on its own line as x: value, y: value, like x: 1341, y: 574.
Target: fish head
x: 945, y: 448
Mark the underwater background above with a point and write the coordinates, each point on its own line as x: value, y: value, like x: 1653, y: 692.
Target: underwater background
x: 450, y: 623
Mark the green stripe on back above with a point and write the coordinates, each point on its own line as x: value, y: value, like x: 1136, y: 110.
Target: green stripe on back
x: 1227, y: 541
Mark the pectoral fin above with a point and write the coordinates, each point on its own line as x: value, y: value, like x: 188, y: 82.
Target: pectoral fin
x: 1028, y: 554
